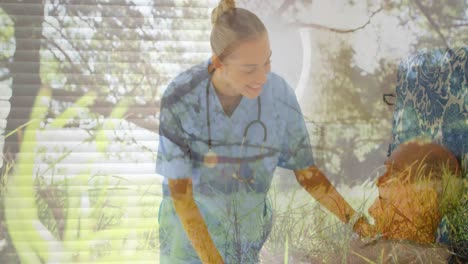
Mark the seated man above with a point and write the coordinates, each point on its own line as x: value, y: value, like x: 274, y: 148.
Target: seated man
x: 420, y: 181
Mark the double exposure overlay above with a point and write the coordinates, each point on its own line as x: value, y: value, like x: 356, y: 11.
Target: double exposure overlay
x: 169, y: 131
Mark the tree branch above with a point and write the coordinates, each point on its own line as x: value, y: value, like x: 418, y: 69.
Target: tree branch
x: 432, y: 22
x: 48, y: 41
x: 82, y: 61
x: 338, y: 30
x: 284, y: 7
x: 458, y: 25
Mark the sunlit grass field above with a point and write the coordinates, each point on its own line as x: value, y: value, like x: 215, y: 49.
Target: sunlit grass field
x: 304, y: 231
x: 88, y: 216
x: 110, y: 219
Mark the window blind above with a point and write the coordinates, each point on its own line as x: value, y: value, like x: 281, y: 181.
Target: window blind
x: 80, y: 83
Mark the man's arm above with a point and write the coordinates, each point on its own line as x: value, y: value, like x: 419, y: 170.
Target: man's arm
x: 319, y: 187
x: 192, y: 221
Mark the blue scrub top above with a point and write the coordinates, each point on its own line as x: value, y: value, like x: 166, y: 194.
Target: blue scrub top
x: 237, y: 212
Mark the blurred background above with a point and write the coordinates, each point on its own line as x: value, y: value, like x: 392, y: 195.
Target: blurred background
x: 80, y: 88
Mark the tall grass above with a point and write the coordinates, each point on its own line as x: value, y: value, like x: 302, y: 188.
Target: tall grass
x: 91, y: 217
x: 305, y: 233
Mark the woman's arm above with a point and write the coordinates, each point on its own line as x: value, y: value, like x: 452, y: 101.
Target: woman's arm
x: 192, y: 221
x: 319, y: 187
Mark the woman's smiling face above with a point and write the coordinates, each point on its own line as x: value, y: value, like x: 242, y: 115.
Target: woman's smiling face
x: 245, y: 70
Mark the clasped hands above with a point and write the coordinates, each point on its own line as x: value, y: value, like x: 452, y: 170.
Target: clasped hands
x: 363, y: 228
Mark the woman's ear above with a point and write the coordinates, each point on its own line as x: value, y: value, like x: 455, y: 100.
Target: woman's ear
x: 216, y: 62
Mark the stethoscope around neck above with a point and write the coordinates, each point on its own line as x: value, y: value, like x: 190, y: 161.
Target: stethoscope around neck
x: 211, y: 158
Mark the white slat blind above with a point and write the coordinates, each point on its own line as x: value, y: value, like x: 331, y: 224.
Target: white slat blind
x: 82, y: 79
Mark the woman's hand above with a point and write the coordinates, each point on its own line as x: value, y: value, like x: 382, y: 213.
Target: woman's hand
x: 363, y: 228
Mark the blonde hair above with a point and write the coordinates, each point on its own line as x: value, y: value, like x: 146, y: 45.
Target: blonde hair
x: 222, y: 7
x: 231, y: 26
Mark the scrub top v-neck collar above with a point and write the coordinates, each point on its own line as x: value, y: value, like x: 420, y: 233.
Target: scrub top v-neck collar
x: 217, y: 103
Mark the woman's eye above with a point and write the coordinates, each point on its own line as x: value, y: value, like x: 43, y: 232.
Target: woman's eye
x: 253, y: 70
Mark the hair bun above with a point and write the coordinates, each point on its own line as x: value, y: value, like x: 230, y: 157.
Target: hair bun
x: 223, y: 6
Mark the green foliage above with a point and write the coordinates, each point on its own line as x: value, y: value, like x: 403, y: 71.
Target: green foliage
x: 436, y: 23
x: 66, y: 220
x: 453, y: 192
x: 457, y: 216
x: 19, y: 197
x: 6, y: 36
x: 351, y: 118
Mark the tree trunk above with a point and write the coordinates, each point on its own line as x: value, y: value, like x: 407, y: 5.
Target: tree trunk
x: 25, y: 86
x: 26, y: 80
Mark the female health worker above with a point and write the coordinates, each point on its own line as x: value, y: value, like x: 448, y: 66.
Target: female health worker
x: 225, y: 125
